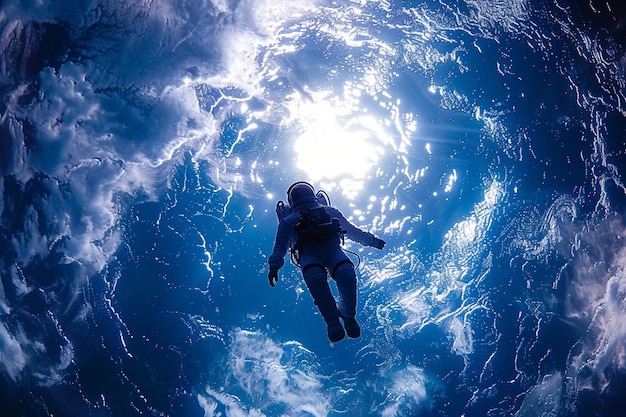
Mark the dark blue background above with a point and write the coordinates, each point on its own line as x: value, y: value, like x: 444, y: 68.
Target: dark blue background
x: 180, y: 321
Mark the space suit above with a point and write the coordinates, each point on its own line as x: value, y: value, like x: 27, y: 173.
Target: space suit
x: 314, y: 230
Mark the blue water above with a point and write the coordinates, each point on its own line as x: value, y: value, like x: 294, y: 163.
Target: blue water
x: 144, y: 147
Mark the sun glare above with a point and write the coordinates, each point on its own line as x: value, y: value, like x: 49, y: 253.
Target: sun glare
x: 329, y: 151
x: 336, y: 145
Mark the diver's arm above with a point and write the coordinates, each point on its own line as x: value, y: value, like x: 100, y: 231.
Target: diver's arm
x: 356, y: 234
x: 281, y: 245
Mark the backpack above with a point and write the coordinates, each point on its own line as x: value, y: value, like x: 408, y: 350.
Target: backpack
x: 310, y: 225
x: 316, y: 225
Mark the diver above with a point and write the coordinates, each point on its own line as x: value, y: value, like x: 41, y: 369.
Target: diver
x: 314, y: 231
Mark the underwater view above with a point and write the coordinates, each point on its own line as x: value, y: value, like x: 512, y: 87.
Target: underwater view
x: 145, y: 147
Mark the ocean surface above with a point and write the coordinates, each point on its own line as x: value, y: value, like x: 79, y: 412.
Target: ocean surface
x: 144, y: 146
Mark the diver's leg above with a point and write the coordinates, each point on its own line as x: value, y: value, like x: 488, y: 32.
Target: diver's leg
x: 345, y: 276
x: 317, y: 282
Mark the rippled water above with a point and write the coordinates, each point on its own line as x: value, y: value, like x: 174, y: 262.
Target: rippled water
x: 144, y: 146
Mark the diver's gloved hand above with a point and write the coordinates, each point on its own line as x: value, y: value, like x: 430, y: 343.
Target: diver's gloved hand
x: 272, y: 276
x: 378, y: 243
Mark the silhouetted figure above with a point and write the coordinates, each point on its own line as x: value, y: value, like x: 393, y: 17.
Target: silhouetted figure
x: 314, y: 230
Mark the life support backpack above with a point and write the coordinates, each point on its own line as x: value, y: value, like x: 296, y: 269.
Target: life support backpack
x: 310, y: 225
x: 316, y: 225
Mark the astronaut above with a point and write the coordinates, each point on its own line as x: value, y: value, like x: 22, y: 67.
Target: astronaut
x: 314, y: 231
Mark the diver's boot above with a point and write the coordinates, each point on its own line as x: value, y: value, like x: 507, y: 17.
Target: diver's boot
x: 331, y: 316
x: 352, y: 327
x: 335, y: 330
x: 323, y: 298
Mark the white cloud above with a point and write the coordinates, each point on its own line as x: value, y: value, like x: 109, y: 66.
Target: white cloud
x: 407, y: 391
x: 12, y: 357
x: 268, y: 373
x: 596, y: 297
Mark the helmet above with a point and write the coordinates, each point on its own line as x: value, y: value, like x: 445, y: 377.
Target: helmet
x: 300, y: 193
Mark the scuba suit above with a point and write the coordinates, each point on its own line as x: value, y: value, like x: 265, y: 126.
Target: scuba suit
x: 314, y: 231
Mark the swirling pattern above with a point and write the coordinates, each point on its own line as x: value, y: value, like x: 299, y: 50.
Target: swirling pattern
x: 144, y: 145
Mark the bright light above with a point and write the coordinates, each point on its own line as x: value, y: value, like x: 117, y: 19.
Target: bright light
x: 337, y: 144
x: 327, y: 151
